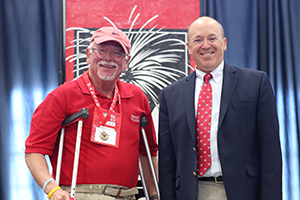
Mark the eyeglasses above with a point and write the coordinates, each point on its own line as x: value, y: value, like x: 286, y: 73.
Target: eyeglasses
x: 102, y: 53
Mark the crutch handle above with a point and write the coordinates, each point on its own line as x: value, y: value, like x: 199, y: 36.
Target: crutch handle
x: 143, y: 122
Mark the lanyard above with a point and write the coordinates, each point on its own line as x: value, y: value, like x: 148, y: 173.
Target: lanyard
x: 91, y: 88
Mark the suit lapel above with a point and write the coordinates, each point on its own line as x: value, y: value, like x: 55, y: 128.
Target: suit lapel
x: 229, y: 82
x: 189, y: 104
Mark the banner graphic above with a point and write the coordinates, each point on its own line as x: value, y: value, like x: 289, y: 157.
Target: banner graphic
x: 157, y: 30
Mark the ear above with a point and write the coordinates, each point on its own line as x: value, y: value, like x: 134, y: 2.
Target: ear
x: 88, y: 56
x: 225, y: 44
x: 188, y: 46
x: 127, y: 59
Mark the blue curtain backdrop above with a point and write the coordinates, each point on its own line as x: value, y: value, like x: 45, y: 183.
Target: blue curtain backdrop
x: 29, y: 59
x: 262, y: 34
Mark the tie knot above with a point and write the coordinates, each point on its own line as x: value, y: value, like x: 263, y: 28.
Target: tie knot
x: 207, y: 77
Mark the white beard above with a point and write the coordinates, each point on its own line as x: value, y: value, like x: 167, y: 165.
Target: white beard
x: 106, y: 78
x: 103, y: 77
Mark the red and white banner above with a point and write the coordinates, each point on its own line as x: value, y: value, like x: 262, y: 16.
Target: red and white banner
x: 157, y: 30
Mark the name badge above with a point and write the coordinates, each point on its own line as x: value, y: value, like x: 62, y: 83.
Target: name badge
x: 106, y: 135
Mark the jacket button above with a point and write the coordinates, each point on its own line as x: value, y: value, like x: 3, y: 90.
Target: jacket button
x: 194, y: 148
x: 194, y: 173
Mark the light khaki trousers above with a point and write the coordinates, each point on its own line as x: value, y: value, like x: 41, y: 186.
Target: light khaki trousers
x: 90, y: 192
x: 82, y: 196
x: 209, y: 190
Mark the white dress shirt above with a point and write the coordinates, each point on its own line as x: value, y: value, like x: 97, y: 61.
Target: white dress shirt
x: 216, y: 83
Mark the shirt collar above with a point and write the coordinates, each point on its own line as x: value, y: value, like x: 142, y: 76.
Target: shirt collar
x: 124, y: 93
x: 217, y: 73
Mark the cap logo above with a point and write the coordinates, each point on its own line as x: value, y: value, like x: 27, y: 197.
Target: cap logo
x: 115, y: 33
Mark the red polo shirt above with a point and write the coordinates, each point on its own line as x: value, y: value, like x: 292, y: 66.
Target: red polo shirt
x: 98, y: 164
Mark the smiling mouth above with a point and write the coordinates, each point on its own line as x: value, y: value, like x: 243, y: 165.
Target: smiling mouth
x: 107, y: 66
x: 206, y: 54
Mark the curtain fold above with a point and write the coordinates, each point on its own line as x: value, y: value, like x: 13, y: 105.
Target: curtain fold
x: 264, y: 35
x: 29, y: 64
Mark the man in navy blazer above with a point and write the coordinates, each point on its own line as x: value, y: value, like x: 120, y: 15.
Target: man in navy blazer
x: 246, y: 159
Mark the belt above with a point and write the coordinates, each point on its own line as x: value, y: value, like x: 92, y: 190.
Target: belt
x: 215, y: 179
x: 112, y: 190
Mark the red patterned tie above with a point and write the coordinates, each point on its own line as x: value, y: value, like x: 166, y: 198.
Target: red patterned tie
x: 203, y: 126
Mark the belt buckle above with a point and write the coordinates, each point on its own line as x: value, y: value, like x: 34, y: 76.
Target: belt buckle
x: 218, y: 182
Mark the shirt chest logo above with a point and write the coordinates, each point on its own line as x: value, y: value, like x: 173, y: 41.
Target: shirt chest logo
x: 135, y: 118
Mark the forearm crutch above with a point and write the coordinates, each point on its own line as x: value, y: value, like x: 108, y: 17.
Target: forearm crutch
x: 143, y: 181
x: 80, y: 116
x: 143, y: 123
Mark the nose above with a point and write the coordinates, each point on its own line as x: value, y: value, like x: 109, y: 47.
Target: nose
x: 205, y: 44
x: 108, y: 56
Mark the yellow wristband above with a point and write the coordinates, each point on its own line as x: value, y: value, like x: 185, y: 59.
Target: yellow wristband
x: 52, y: 191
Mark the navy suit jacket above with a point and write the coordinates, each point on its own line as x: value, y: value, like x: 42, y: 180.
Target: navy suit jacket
x: 248, y: 138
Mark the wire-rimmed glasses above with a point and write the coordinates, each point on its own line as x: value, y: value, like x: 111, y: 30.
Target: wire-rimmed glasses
x: 102, y: 53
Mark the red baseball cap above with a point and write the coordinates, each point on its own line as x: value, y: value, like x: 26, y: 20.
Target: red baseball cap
x: 105, y: 34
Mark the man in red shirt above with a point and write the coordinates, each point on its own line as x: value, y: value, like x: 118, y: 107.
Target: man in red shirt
x: 110, y: 143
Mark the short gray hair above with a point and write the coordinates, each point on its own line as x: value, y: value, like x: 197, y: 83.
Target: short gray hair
x: 91, y: 46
